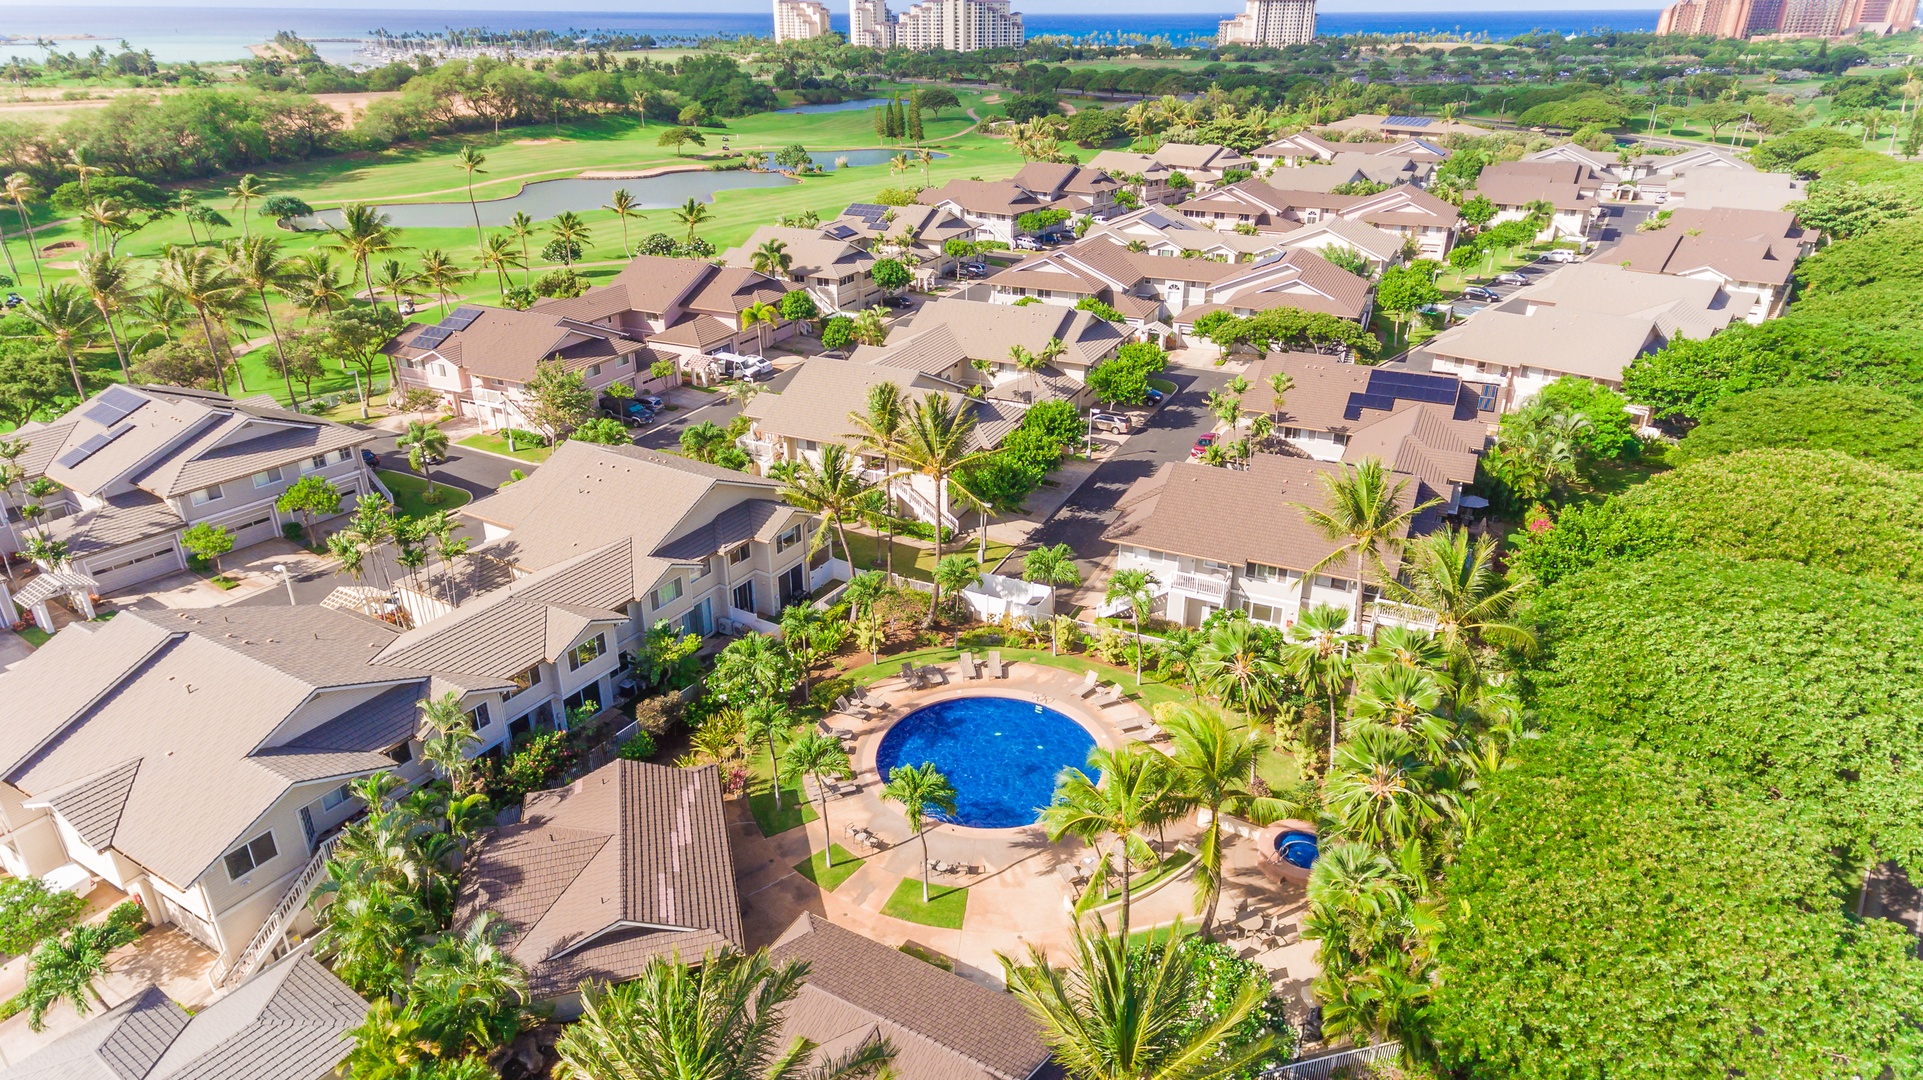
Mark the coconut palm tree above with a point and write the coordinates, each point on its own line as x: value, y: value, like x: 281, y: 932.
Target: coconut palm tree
x: 691, y: 213
x: 65, y: 969
x: 498, y: 254
x: 109, y: 216
x: 623, y: 205
x: 920, y: 790
x: 314, y: 284
x: 832, y: 489
x: 66, y: 316
x: 1053, y: 567
x: 760, y: 315
x: 876, y: 432
x: 470, y: 160
x: 935, y: 442
x: 772, y: 258
x: 1117, y: 1014
x: 363, y: 233
x: 571, y: 233
x: 718, y: 1020
x: 1133, y: 796
x: 398, y: 280
x: 818, y: 755
x: 19, y: 191
x: 1455, y: 576
x: 246, y: 192
x: 258, y: 265
x: 1364, y: 513
x: 1315, y: 652
x: 1232, y: 665
x: 442, y: 273
x: 1377, y: 789
x: 521, y: 227
x: 1213, y: 764
x: 108, y: 280
x: 1280, y: 384
x: 1135, y: 588
x: 424, y: 443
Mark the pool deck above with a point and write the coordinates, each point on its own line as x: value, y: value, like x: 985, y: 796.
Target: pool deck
x: 1018, y: 895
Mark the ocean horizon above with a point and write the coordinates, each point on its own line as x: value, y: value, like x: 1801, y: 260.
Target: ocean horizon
x: 214, y: 34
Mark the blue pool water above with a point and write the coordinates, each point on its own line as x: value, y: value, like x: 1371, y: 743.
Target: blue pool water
x: 1001, y: 754
x: 1297, y: 848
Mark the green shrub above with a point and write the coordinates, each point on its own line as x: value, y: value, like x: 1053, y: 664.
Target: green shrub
x: 127, y: 921
x: 1859, y: 420
x: 639, y: 747
x: 30, y: 913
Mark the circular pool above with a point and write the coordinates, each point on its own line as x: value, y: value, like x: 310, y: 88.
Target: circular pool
x: 1001, y: 754
x: 1286, y: 851
x: 1297, y: 848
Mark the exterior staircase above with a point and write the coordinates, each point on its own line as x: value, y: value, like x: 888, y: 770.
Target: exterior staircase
x: 261, y: 949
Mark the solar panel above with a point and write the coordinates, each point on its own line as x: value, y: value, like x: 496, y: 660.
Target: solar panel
x: 462, y: 317
x: 841, y: 232
x: 869, y: 212
x: 1411, y: 386
x: 93, y: 445
x: 113, y: 405
x: 1406, y: 121
x: 430, y: 337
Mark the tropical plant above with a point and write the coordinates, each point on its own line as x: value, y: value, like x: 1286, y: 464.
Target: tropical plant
x: 955, y: 573
x: 1454, y: 575
x: 521, y: 228
x: 937, y: 441
x: 1051, y: 566
x: 1315, y: 652
x: 471, y: 995
x: 442, y: 273
x: 1212, y: 764
x: 1136, y: 589
x: 314, y: 284
x: 920, y: 791
x: 877, y: 432
x: 571, y: 235
x: 1377, y: 790
x: 108, y: 280
x: 363, y: 233
x: 259, y: 265
x: 424, y: 444
x: 246, y: 192
x: 67, y: 969
x: 498, y: 254
x: 19, y: 191
x: 760, y: 315
x: 65, y: 315
x: 818, y: 754
x: 772, y: 258
x: 1365, y: 515
x: 1234, y: 665
x: 1134, y: 794
x: 691, y: 214
x: 833, y: 490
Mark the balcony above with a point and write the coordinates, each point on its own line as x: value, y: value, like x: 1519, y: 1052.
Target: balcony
x: 1211, y: 587
x: 763, y: 451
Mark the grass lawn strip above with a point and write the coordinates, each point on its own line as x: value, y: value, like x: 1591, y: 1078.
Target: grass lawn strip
x: 913, y: 559
x: 794, y: 811
x: 945, y: 908
x: 1153, y: 693
x: 829, y: 878
x: 410, y: 494
x: 1142, y: 883
x: 497, y: 445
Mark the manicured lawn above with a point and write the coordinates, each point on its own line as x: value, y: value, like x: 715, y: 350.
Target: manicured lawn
x: 794, y: 810
x: 1149, y: 691
x: 497, y: 444
x: 1163, y: 385
x: 945, y: 907
x: 1137, y: 885
x: 1160, y: 934
x: 410, y: 494
x: 817, y: 870
x: 35, y: 636
x: 911, y: 559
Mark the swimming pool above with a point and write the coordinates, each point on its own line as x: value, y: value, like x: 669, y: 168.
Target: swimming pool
x: 1000, y: 753
x: 1297, y: 848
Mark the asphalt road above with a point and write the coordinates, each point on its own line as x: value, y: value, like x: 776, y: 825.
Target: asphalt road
x: 1620, y: 221
x: 1169, y: 435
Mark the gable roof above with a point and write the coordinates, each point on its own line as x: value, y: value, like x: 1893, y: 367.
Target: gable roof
x: 1298, y: 278
x: 1365, y: 238
x: 628, y: 864
x: 1679, y: 307
x: 942, y: 1026
x: 1675, y: 251
x: 813, y: 252
x: 501, y: 343
x: 122, y: 1043
x: 985, y: 330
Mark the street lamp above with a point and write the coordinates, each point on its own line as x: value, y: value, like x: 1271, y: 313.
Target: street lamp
x: 287, y: 580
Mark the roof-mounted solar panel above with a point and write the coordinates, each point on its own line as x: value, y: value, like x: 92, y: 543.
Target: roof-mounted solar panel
x: 92, y: 445
x: 430, y: 337
x: 462, y: 317
x: 114, y: 404
x: 1406, y: 121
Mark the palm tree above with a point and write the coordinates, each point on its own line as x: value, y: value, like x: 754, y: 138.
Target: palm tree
x: 1214, y: 767
x: 760, y: 315
x: 691, y: 213
x: 1134, y: 587
x: 1133, y: 796
x: 1280, y: 383
x: 1377, y: 789
x: 423, y: 443
x: 110, y: 216
x: 442, y: 273
x: 920, y: 790
x: 366, y: 927
x: 19, y: 191
x: 935, y: 442
x: 1365, y: 516
x: 571, y: 232
x: 258, y: 265
x: 521, y: 227
x: 869, y: 329
x: 832, y: 489
x: 1316, y: 653
x: 877, y: 432
x: 772, y: 258
x: 64, y: 969
x: 623, y: 205
x: 1454, y: 575
x: 471, y: 160
x: 955, y: 573
x: 1053, y: 567
x: 314, y: 284
x: 718, y: 1020
x: 65, y: 315
x: 363, y: 233
x: 109, y: 282
x: 246, y: 192
x: 1117, y: 1014
x: 819, y: 755
x: 1232, y: 665
x: 398, y: 280
x: 1404, y: 700
x: 451, y: 734
x: 471, y: 992
x: 498, y: 254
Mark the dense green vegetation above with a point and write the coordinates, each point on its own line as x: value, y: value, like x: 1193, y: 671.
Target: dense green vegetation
x: 1858, y: 420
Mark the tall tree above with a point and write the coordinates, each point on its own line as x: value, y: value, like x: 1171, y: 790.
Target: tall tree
x: 937, y: 441
x: 108, y: 280
x: 691, y: 213
x: 442, y: 273
x: 1455, y: 576
x: 470, y: 161
x: 832, y: 489
x: 1134, y: 587
x: 818, y: 754
x: 363, y: 233
x: 760, y: 315
x: 1233, y: 665
x: 521, y: 227
x: 624, y: 207
x: 1363, y: 513
x: 920, y: 791
x: 498, y: 254
x: 571, y: 234
x: 878, y: 431
x: 1316, y: 653
x: 425, y: 444
x: 20, y: 191
x: 1213, y: 762
x: 1051, y: 566
x: 314, y: 284
x: 247, y: 191
x: 65, y: 315
x: 258, y: 265
x: 1131, y: 796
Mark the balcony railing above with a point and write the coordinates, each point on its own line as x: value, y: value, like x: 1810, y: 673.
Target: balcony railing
x: 1211, y: 587
x: 261, y: 948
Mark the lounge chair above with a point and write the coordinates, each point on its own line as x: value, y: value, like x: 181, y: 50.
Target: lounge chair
x: 852, y: 708
x: 861, y: 695
x: 1089, y: 682
x: 839, y: 733
x: 932, y: 675
x: 915, y: 679
x: 968, y: 666
x: 1110, y: 695
x: 995, y: 664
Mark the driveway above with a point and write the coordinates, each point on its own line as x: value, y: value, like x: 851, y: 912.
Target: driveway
x: 1168, y: 436
x: 477, y: 472
x: 1620, y: 221
x: 698, y: 407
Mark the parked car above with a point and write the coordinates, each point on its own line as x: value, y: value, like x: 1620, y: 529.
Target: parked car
x: 1112, y: 422
x: 649, y: 401
x: 1511, y: 278
x: 974, y: 270
x: 14, y: 300
x: 370, y: 459
x: 1155, y: 397
x: 1559, y: 255
x: 1028, y: 243
x: 755, y: 369
x: 1202, y: 444
x: 899, y: 303
x: 1482, y: 293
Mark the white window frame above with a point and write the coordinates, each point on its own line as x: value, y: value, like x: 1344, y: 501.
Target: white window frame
x: 666, y: 593
x: 204, y: 496
x: 576, y: 661
x: 254, y: 860
x: 272, y: 477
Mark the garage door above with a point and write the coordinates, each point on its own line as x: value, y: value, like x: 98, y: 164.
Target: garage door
x: 190, y: 924
x: 252, y: 528
x: 125, y: 569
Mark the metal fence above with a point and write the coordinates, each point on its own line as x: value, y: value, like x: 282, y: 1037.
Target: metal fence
x: 1327, y: 1065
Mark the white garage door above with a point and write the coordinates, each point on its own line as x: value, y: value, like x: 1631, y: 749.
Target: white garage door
x: 252, y: 528
x: 124, y: 569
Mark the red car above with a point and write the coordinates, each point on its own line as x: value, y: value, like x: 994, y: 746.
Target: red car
x: 1202, y: 444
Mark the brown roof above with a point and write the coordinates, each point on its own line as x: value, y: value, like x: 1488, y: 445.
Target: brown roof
x: 942, y: 1026
x: 822, y: 392
x: 628, y: 864
x: 986, y: 330
x: 812, y: 252
x: 1403, y: 205
x: 984, y: 196
x: 1299, y: 278
x: 1239, y: 516
x: 1675, y: 251
x: 505, y: 344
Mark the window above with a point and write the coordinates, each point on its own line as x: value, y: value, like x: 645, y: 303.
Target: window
x: 665, y: 595
x: 402, y: 754
x: 744, y: 596
x: 342, y: 455
x: 1260, y: 572
x: 738, y: 555
x: 318, y: 461
x: 788, y: 539
x: 703, y: 569
x: 335, y: 797
x: 477, y: 716
x: 593, y: 370
x: 264, y: 479
x: 1267, y: 614
x: 204, y: 496
x: 587, y: 652
x: 526, y: 678
x: 242, y: 860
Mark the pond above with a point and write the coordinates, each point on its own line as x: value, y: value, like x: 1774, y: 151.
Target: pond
x: 836, y: 106
x: 549, y: 198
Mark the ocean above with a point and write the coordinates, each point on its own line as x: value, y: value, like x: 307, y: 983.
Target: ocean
x: 188, y: 33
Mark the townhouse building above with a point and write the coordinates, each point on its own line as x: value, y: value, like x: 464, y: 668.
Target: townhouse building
x: 1404, y: 211
x: 1150, y: 176
x: 837, y: 274
x: 993, y: 208
x: 1572, y: 190
x: 1751, y: 254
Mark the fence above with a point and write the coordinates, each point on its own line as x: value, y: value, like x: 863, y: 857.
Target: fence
x: 1326, y: 1065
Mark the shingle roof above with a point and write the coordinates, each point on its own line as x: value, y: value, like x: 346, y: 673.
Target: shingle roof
x: 942, y: 1026
x: 630, y: 863
x: 122, y: 1043
x: 812, y: 252
x: 1674, y: 251
x: 93, y: 805
x: 987, y: 330
x: 292, y: 1021
x: 984, y: 196
x: 1712, y: 187
x: 1570, y: 342
x: 1680, y: 307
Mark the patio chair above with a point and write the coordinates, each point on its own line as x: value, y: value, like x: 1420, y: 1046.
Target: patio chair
x: 1089, y: 684
x: 932, y: 675
x: 833, y: 732
x: 995, y: 665
x: 1110, y: 695
x: 968, y: 666
x: 874, y: 705
x: 844, y: 788
x: 915, y: 679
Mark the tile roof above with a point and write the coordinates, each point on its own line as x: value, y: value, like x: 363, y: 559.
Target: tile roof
x: 1365, y: 238
x: 813, y: 252
x: 1572, y: 342
x: 943, y: 1027
x: 93, y: 805
x: 698, y: 331
x: 1300, y: 278
x: 821, y: 395
x: 984, y: 197
x: 628, y: 864
x: 291, y: 1021
x: 987, y: 331
x: 122, y: 1043
x: 1239, y: 516
x: 1674, y: 251
x: 1714, y: 187
x: 1403, y: 205
x: 1680, y: 307
x: 1209, y: 156
x: 123, y: 518
x: 508, y: 345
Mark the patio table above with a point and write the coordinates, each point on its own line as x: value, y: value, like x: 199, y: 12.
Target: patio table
x: 1250, y: 923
